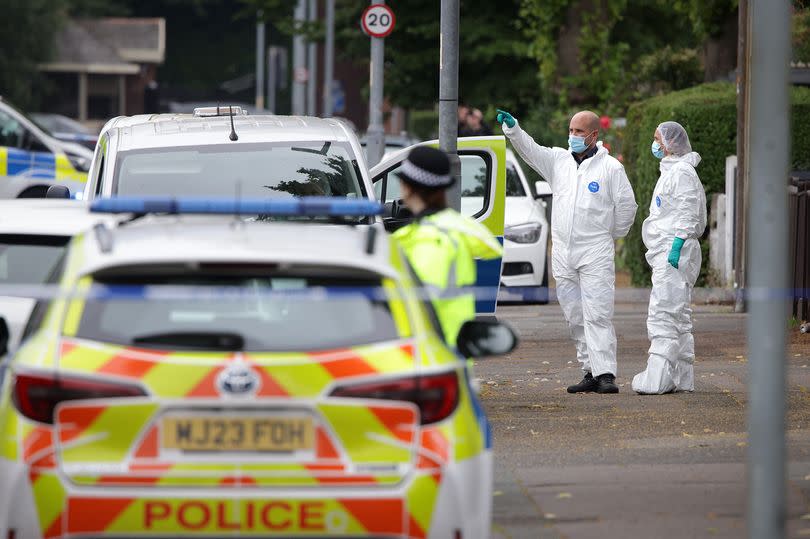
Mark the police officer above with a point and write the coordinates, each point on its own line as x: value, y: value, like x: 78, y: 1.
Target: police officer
x: 441, y: 244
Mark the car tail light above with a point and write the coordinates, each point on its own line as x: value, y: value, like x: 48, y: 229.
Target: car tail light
x: 436, y: 395
x: 37, y: 395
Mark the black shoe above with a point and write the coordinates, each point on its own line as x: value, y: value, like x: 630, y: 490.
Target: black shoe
x: 606, y: 383
x: 587, y: 385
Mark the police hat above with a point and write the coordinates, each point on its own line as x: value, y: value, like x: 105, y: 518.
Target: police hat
x: 426, y: 167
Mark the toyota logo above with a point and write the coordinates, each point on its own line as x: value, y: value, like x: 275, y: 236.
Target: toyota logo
x: 238, y: 380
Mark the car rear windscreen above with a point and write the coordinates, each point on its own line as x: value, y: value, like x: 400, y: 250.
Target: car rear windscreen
x: 238, y: 312
x: 29, y: 259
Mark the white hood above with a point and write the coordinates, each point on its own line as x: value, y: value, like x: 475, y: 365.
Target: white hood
x: 521, y: 210
x: 692, y: 158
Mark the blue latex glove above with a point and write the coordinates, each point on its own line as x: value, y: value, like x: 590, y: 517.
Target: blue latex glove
x: 505, y: 118
x: 675, y: 252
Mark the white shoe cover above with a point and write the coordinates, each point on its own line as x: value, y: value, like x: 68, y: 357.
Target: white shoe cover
x: 684, y: 376
x: 656, y: 378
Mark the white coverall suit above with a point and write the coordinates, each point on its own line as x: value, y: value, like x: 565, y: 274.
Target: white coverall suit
x: 677, y: 209
x: 593, y: 205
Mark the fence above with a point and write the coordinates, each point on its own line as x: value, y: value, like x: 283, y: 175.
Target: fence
x: 799, y: 215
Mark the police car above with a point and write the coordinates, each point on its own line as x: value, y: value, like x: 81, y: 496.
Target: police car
x: 31, y: 161
x: 211, y: 376
x: 34, y: 234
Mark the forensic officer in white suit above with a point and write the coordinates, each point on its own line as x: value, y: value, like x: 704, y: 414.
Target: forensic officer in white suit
x: 594, y: 205
x: 671, y: 232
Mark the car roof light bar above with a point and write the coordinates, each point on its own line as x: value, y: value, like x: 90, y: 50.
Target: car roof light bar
x: 306, y: 206
x: 212, y: 112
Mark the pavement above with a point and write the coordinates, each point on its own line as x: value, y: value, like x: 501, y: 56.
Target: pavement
x: 626, y: 465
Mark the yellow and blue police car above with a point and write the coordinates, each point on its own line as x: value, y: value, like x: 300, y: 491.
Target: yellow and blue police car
x: 31, y: 161
x: 212, y: 376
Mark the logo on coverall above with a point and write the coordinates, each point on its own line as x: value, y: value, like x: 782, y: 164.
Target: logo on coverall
x: 593, y: 187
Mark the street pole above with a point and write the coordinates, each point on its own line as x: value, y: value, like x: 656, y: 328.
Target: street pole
x: 299, y: 63
x: 329, y: 59
x: 259, y: 61
x: 312, y: 63
x: 375, y: 136
x: 272, y: 78
x: 767, y: 161
x: 448, y: 94
x: 741, y: 187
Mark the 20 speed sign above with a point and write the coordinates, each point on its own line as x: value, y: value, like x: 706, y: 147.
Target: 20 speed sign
x: 378, y: 20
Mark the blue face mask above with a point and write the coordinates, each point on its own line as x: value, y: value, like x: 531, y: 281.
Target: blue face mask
x: 577, y: 143
x: 657, y: 150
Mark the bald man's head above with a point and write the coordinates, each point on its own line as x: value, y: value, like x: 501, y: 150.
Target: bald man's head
x: 585, y: 124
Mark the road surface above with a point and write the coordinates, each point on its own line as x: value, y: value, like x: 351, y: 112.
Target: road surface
x: 625, y: 466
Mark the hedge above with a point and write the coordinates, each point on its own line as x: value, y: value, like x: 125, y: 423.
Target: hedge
x: 709, y: 114
x: 423, y: 124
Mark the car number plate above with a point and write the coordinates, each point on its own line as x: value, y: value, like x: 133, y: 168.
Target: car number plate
x: 217, y: 433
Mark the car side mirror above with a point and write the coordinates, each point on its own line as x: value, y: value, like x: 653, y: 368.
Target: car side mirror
x: 4, y: 337
x: 396, y: 215
x: 481, y: 338
x: 542, y: 189
x: 57, y: 191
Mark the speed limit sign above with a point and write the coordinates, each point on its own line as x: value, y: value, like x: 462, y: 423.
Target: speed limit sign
x: 378, y: 20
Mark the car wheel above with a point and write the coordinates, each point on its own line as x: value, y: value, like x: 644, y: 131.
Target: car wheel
x: 35, y: 191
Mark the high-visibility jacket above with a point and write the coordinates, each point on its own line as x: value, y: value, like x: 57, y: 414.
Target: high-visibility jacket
x: 442, y: 247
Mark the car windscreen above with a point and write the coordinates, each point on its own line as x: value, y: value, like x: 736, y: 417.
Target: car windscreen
x: 251, y: 311
x: 29, y: 259
x: 54, y: 123
x: 261, y: 170
x: 514, y: 187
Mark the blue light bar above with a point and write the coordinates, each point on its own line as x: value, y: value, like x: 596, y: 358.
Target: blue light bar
x: 306, y: 206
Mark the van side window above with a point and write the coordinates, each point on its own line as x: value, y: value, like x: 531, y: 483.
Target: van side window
x: 100, y: 174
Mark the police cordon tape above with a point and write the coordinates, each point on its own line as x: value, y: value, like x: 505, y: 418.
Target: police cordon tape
x: 156, y: 292
x: 98, y: 292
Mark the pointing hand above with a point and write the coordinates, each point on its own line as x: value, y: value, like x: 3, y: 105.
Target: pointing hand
x: 505, y: 118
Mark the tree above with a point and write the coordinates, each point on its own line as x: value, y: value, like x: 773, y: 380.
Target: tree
x: 26, y: 34
x: 801, y: 31
x: 589, y: 52
x: 571, y: 42
x: 494, y: 64
x: 715, y: 24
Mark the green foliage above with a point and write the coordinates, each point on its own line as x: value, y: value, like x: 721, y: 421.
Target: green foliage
x: 665, y: 70
x: 709, y: 114
x: 597, y: 76
x: 26, y: 34
x: 801, y: 33
x: 540, y: 22
x: 98, y: 8
x: 706, y: 16
x: 423, y: 124
x: 625, y: 49
x: 601, y: 73
x: 494, y: 70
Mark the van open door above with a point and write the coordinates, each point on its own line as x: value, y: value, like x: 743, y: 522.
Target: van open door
x: 483, y: 192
